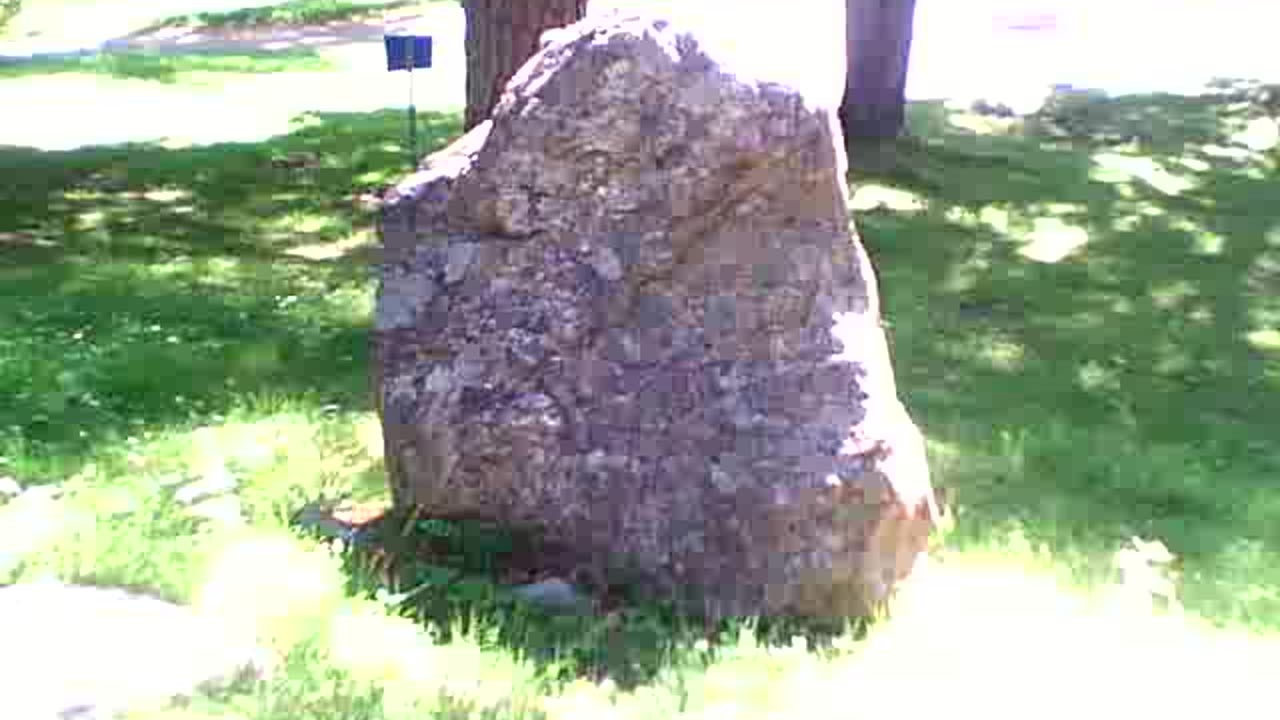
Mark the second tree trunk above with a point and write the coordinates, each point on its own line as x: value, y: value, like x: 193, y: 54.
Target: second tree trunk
x: 501, y: 36
x: 879, y: 36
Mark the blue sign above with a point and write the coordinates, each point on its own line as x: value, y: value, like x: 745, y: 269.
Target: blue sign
x: 408, y: 52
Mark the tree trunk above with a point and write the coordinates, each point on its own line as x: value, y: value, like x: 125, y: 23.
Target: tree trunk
x: 875, y: 98
x: 501, y: 36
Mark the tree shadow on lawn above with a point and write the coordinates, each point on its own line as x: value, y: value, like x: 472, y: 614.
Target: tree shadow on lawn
x: 1080, y: 399
x: 1107, y: 393
x: 142, y: 287
x: 1085, y: 312
x: 460, y: 577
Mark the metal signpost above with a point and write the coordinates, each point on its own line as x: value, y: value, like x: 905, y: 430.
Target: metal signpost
x: 406, y: 52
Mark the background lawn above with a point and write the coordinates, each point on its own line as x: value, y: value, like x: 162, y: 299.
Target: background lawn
x: 1085, y: 317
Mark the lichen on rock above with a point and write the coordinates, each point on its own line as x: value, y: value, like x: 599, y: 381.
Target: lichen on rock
x: 630, y: 312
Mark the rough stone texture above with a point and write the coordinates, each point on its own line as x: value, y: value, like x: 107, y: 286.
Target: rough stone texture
x: 632, y: 314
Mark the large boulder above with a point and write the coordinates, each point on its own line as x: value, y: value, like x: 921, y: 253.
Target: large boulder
x: 629, y: 311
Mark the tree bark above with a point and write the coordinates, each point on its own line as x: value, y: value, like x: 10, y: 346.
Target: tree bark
x: 879, y: 36
x: 501, y: 35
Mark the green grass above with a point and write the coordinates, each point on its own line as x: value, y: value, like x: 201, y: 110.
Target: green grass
x: 187, y: 69
x: 167, y: 315
x: 8, y: 10
x: 294, y: 12
x: 120, y: 260
x: 1129, y: 388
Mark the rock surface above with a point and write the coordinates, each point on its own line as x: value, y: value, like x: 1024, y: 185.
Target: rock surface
x: 88, y: 652
x: 631, y: 313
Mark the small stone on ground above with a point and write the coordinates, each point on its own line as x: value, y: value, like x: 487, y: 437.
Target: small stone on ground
x: 554, y: 594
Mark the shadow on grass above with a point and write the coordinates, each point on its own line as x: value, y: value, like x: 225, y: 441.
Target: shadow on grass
x: 168, y: 68
x: 1080, y: 321
x: 1085, y: 313
x: 460, y: 577
x: 141, y: 288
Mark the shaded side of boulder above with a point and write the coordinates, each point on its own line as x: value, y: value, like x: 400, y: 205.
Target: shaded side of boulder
x: 630, y: 312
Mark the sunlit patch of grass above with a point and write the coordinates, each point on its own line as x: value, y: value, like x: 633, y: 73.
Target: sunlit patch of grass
x: 1053, y: 240
x: 117, y: 520
x: 1143, y: 392
x: 1007, y: 594
x: 1036, y: 631
x: 1114, y: 167
x: 182, y: 320
x: 119, y: 534
x: 1004, y: 510
x: 271, y: 585
x: 189, y: 69
x: 305, y: 224
x: 870, y: 196
x: 1268, y: 339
